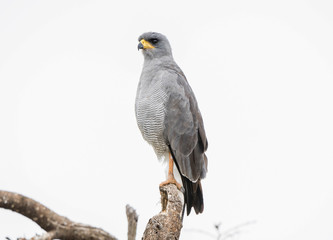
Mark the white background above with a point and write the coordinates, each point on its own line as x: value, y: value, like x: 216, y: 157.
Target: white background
x: 262, y: 74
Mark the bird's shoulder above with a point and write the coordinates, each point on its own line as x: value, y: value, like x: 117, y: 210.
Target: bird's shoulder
x: 174, y: 79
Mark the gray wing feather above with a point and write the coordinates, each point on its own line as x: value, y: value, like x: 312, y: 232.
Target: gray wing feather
x: 184, y: 129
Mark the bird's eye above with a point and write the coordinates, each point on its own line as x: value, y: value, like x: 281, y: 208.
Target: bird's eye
x: 154, y: 40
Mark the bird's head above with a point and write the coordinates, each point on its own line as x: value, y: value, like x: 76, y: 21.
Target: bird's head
x: 154, y: 45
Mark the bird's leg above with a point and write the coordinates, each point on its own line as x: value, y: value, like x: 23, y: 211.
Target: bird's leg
x: 171, y: 177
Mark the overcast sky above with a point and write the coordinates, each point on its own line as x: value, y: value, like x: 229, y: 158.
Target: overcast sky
x: 262, y: 72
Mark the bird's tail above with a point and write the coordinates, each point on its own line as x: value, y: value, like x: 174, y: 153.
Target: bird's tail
x: 193, y: 196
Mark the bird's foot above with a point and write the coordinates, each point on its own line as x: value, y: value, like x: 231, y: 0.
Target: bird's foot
x: 171, y: 180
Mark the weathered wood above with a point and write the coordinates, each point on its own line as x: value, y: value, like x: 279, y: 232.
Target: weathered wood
x: 164, y: 226
x: 56, y: 226
x: 168, y: 223
x: 132, y: 220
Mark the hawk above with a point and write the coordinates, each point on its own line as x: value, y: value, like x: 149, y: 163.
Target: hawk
x: 169, y: 118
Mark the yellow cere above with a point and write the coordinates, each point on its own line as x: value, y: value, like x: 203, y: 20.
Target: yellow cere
x: 146, y: 44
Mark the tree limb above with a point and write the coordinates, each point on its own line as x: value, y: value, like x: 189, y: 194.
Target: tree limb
x: 168, y: 223
x: 56, y: 226
x: 132, y: 219
x: 164, y: 226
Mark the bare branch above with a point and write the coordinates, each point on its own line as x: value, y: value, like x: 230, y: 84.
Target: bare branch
x: 165, y: 225
x: 132, y: 219
x: 56, y: 226
x: 203, y: 232
x: 168, y: 223
x: 234, y: 230
x: 222, y: 235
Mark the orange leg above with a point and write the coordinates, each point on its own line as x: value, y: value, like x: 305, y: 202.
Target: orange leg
x: 171, y: 178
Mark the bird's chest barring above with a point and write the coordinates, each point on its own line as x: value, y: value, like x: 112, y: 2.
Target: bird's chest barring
x: 150, y: 119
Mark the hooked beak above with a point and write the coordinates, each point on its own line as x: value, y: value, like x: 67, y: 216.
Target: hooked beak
x: 140, y: 46
x: 143, y: 44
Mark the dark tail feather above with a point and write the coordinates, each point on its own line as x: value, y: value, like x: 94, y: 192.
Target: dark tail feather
x: 193, y: 196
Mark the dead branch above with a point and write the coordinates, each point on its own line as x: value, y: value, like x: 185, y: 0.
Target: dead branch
x: 56, y: 226
x: 165, y: 225
x: 168, y: 223
x: 132, y: 219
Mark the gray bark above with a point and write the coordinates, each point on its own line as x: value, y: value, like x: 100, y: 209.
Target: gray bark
x: 164, y: 226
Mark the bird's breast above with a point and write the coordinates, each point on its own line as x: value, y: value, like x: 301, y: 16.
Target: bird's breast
x: 150, y: 114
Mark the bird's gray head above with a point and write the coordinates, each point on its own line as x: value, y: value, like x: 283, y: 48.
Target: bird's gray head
x: 154, y: 45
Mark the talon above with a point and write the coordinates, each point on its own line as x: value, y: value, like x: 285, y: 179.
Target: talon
x: 171, y: 180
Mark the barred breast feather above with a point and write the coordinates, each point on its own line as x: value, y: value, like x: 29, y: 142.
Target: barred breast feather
x: 150, y: 113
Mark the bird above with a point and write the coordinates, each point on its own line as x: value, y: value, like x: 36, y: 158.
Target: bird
x: 169, y: 119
